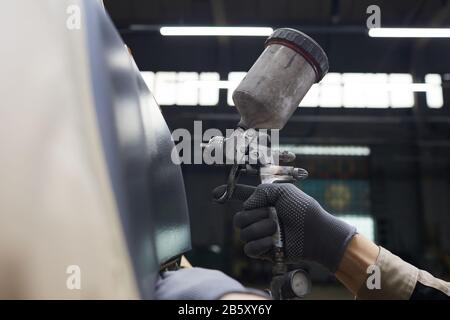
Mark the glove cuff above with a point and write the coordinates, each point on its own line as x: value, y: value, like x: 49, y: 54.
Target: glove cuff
x: 340, y: 233
x: 334, y: 236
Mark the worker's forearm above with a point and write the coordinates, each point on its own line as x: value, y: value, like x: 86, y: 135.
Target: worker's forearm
x: 398, y: 279
x: 358, y: 256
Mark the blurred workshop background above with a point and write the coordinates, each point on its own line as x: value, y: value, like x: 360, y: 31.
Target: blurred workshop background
x: 374, y: 134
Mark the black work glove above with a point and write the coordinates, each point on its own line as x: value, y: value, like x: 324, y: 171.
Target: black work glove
x: 308, y: 231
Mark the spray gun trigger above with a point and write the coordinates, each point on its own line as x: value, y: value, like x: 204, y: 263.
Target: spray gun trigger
x: 231, y: 184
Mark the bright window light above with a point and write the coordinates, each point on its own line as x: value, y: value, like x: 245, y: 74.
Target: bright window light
x: 209, y: 95
x: 149, y: 79
x: 376, y: 90
x: 409, y: 32
x: 434, y: 91
x: 373, y: 89
x: 216, y: 31
x: 401, y: 98
x: 165, y: 87
x: 353, y: 96
x: 364, y: 224
x: 234, y: 78
x: 311, y: 99
x: 349, y: 90
x: 331, y: 91
x: 187, y: 91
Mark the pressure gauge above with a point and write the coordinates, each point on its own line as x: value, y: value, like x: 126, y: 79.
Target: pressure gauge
x: 300, y: 283
x: 296, y: 284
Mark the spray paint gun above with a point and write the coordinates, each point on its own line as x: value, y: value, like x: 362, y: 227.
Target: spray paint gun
x: 266, y: 98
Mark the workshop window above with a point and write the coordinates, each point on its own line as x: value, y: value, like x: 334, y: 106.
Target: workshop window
x: 336, y: 90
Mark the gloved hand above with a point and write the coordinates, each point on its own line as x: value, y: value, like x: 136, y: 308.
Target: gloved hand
x: 198, y: 284
x: 307, y: 230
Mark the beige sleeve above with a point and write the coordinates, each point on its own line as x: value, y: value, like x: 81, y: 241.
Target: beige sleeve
x: 398, y: 279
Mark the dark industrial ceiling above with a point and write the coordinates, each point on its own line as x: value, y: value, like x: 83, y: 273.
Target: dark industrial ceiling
x: 338, y: 25
x: 276, y: 13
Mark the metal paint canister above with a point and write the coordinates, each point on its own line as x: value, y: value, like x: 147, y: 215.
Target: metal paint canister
x: 277, y: 82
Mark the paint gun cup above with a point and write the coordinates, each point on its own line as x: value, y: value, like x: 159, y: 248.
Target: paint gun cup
x: 277, y: 82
